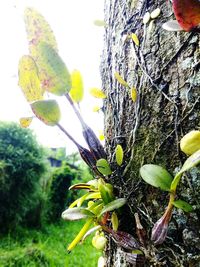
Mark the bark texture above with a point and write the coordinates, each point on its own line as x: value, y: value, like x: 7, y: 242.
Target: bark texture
x: 165, y: 70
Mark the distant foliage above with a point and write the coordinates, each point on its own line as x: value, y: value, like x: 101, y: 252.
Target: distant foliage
x: 21, y: 168
x: 58, y: 195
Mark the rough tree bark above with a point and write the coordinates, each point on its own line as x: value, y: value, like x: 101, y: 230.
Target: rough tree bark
x: 165, y: 70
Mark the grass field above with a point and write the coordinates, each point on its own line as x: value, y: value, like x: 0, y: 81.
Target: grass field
x: 47, y: 247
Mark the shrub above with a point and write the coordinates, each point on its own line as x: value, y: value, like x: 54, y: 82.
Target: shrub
x: 21, y: 168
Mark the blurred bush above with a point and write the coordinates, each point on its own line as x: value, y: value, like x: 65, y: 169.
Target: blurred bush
x: 22, y: 164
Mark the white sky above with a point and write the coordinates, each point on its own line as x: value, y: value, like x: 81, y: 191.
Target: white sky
x: 80, y: 44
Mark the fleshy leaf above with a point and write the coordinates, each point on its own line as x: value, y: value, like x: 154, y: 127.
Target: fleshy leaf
x: 156, y: 176
x: 38, y: 31
x: 191, y: 162
x: 187, y: 13
x: 190, y: 142
x: 96, y: 108
x: 76, y: 91
x: 114, y: 221
x: 101, y: 136
x: 115, y: 204
x: 133, y: 94
x: 135, y: 39
x: 181, y: 204
x: 120, y: 79
x: 73, y: 214
x: 29, y: 80
x: 103, y: 167
x: 47, y: 111
x: 98, y: 93
x: 53, y: 72
x: 171, y: 26
x: 106, y: 191
x: 80, y: 235
x: 100, y: 23
x: 25, y: 121
x: 119, y: 154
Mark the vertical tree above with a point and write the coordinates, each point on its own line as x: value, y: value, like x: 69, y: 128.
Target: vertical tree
x: 164, y: 70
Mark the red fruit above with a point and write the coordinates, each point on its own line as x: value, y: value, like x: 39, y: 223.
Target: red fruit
x: 187, y: 13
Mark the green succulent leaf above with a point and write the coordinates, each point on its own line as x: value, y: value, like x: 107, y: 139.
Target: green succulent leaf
x: 156, y: 176
x: 115, y: 204
x: 53, y: 73
x: 181, y: 204
x: 47, y: 111
x: 119, y: 154
x: 103, y: 167
x: 191, y: 162
x: 106, y: 191
x: 73, y: 214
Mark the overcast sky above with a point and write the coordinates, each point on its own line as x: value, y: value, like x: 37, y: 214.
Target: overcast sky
x: 80, y: 45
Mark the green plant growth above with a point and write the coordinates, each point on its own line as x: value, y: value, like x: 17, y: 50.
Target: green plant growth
x: 58, y: 197
x: 44, y: 70
x: 161, y: 178
x: 46, y: 248
x: 22, y: 165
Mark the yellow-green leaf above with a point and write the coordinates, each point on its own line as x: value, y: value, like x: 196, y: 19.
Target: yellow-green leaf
x: 76, y: 91
x: 190, y: 142
x: 98, y: 93
x: 120, y: 79
x: 101, y: 136
x: 181, y: 204
x: 53, y: 72
x: 100, y: 23
x: 134, y: 94
x: 25, y: 121
x: 96, y: 108
x: 47, y: 111
x: 135, y: 39
x: 115, y: 221
x: 29, y: 80
x: 103, y: 167
x: 119, y: 154
x: 38, y: 31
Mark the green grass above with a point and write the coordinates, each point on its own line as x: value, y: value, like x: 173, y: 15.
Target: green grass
x: 47, y: 248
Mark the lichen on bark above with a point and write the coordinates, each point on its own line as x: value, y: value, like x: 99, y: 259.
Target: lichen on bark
x: 165, y: 71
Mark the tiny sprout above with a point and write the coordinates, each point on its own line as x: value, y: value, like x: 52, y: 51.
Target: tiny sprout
x: 146, y: 18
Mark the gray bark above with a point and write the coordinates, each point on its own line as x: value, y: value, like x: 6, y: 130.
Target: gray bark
x: 165, y: 70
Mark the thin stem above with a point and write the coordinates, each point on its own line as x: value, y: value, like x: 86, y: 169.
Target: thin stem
x: 68, y: 135
x: 76, y: 111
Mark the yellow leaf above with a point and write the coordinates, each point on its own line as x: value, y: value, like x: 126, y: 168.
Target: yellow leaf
x: 29, y: 80
x: 119, y: 154
x: 96, y: 108
x: 134, y: 94
x: 98, y: 93
x: 76, y: 91
x: 135, y: 39
x: 101, y: 136
x: 120, y: 79
x: 25, y: 121
x: 38, y: 31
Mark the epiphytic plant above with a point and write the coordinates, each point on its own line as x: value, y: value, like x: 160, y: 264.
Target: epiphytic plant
x: 43, y: 70
x: 161, y: 178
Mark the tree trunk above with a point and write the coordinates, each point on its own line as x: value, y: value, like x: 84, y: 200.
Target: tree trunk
x: 165, y: 71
